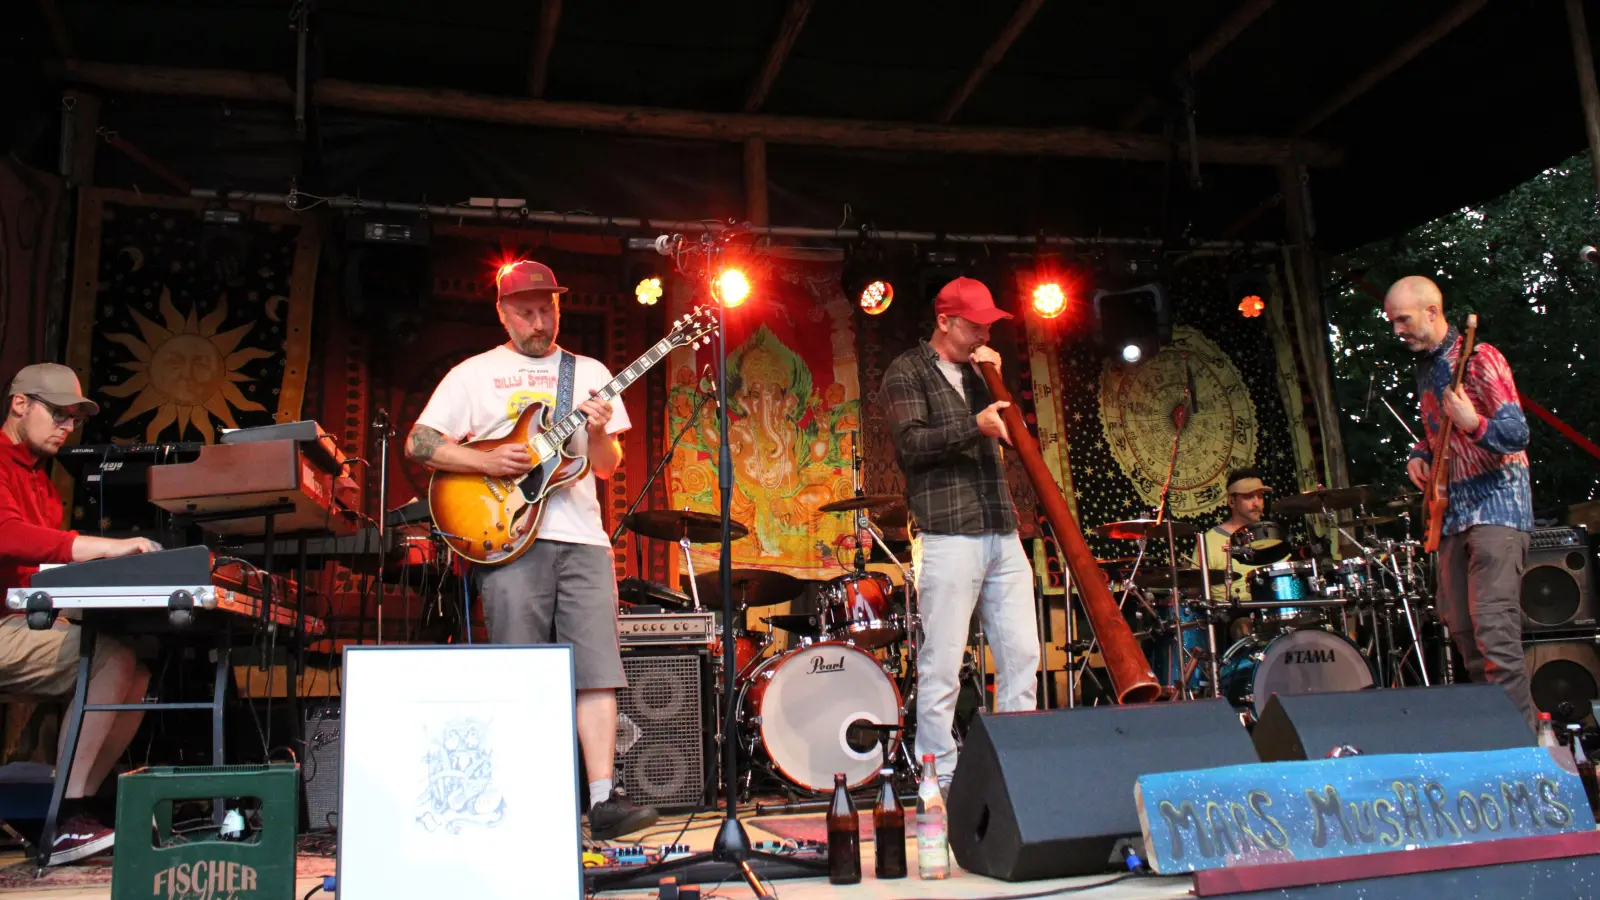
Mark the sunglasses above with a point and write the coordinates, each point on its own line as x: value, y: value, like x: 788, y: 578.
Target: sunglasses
x: 60, y: 414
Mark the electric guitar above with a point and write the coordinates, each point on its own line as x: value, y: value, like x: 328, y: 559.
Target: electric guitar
x: 494, y: 519
x: 1437, y: 496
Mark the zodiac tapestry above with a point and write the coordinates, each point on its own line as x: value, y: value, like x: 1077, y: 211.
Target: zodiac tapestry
x: 794, y: 416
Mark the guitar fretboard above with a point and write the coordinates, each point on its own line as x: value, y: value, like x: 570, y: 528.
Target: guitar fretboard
x: 569, y: 425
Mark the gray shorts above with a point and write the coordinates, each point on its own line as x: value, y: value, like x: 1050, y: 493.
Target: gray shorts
x: 559, y: 593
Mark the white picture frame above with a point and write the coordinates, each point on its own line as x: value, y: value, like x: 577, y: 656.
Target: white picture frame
x: 459, y: 773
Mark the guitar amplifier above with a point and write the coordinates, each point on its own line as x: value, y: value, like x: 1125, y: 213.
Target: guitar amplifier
x: 665, y: 753
x: 320, y: 769
x: 1558, y: 585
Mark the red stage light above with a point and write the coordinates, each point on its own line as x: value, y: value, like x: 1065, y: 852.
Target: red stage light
x: 1251, y: 306
x: 1049, y: 300
x: 876, y: 297
x: 731, y: 287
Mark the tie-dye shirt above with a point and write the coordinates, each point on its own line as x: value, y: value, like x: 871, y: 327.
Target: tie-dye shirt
x: 1488, y: 468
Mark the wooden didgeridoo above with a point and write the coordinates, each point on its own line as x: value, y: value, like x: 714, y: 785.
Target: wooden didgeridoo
x: 1131, y: 677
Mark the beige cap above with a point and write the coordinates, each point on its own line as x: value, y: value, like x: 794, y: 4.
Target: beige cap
x: 1249, y: 485
x: 52, y: 383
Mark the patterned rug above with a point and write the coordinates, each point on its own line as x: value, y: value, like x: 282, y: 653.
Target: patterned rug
x: 97, y: 871
x: 815, y: 827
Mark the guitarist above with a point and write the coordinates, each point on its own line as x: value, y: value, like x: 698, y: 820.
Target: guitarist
x: 562, y: 589
x: 1485, y: 544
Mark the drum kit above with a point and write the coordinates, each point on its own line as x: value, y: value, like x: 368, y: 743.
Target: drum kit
x: 858, y: 647
x: 1296, y: 618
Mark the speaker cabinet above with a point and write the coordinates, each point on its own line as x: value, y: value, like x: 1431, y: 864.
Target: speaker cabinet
x: 1565, y: 677
x: 665, y: 756
x: 1558, y: 586
x: 320, y: 770
x: 1445, y: 719
x: 1048, y: 794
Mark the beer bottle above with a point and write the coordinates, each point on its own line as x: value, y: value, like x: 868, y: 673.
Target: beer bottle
x: 889, y: 830
x: 844, y: 836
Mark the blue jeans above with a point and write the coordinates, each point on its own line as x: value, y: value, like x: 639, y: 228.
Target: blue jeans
x: 955, y: 573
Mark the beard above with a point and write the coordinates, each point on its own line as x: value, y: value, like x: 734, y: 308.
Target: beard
x: 533, y: 344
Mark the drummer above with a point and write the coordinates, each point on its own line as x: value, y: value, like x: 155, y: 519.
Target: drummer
x: 1246, y: 504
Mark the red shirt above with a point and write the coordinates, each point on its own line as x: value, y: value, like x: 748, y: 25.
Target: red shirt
x: 30, y: 516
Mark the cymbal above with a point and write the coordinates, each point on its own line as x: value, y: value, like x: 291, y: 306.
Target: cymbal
x: 1404, y: 501
x: 1373, y: 520
x: 673, y: 525
x: 1188, y: 579
x: 865, y: 501
x: 1324, y: 500
x: 751, y: 587
x: 1133, y: 529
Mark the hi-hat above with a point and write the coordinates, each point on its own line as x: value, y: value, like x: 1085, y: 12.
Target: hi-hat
x: 865, y: 501
x: 1134, y: 529
x: 675, y: 525
x: 1324, y: 500
x: 751, y: 587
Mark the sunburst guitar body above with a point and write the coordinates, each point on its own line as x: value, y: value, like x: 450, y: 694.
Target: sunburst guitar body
x: 493, y: 520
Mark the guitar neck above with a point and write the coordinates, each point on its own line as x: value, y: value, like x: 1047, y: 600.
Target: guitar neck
x: 574, y: 420
x: 1447, y: 428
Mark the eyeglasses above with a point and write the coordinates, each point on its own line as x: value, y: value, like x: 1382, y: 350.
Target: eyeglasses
x: 60, y: 414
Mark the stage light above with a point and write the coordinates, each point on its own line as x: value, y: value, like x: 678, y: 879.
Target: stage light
x: 648, y: 291
x: 1049, y: 300
x: 876, y: 297
x: 1251, y: 306
x: 1132, y: 323
x: 731, y: 288
x: 1250, y: 291
x: 1132, y: 353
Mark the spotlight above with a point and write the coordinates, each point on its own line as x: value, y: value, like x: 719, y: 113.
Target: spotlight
x: 648, y: 290
x: 1133, y: 322
x: 1049, y: 300
x: 1250, y: 291
x: 730, y: 287
x: 876, y: 297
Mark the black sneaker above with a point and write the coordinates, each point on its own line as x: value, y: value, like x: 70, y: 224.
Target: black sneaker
x: 616, y: 816
x: 80, y: 837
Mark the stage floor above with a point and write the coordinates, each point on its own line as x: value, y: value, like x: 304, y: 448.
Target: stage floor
x: 703, y: 831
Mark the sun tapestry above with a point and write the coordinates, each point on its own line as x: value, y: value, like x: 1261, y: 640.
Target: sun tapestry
x: 794, y: 415
x: 183, y: 323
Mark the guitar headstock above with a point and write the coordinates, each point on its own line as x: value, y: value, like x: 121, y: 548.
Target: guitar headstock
x: 694, y: 329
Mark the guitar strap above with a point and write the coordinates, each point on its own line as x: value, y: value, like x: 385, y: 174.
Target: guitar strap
x: 566, y: 377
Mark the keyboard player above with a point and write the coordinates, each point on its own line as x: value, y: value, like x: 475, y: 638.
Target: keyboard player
x: 44, y: 404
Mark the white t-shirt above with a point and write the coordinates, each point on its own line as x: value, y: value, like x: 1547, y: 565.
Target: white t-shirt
x: 952, y: 374
x: 482, y: 397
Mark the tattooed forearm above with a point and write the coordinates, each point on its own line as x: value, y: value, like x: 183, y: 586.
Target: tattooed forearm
x: 423, y: 442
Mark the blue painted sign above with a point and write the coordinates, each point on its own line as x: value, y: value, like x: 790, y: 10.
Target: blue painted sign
x: 1355, y: 805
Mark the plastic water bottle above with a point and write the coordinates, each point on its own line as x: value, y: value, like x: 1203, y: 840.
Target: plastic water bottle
x: 1586, y: 771
x: 933, y: 847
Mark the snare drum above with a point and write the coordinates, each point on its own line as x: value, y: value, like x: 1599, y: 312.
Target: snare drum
x: 798, y: 707
x: 1309, y: 661
x: 856, y: 608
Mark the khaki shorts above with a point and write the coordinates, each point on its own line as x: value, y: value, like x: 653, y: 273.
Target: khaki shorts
x: 45, y: 663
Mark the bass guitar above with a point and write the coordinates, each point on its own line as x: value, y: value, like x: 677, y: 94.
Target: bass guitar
x: 1437, y: 496
x: 492, y: 520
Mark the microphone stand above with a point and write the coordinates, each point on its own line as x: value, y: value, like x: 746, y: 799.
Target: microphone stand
x: 385, y: 432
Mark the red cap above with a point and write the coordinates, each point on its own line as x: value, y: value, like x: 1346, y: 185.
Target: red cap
x: 526, y: 275
x: 968, y: 299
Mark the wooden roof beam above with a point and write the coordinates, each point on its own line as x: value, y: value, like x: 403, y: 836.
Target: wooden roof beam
x: 60, y: 36
x: 1197, y: 59
x: 794, y: 19
x: 544, y: 43
x: 696, y: 125
x: 991, y: 57
x: 1405, y: 53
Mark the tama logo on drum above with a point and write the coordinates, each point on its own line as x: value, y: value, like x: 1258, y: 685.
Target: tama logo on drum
x: 818, y: 664
x: 1302, y: 657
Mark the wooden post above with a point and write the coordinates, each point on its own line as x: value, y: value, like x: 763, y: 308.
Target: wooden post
x: 543, y: 44
x: 1311, y: 320
x: 1583, y: 58
x: 755, y: 181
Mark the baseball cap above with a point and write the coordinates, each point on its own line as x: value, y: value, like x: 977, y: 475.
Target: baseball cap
x: 526, y: 275
x: 1248, y: 485
x: 968, y: 299
x: 54, y: 384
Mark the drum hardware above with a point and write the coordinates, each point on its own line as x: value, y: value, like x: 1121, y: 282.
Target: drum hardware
x: 1259, y: 543
x: 685, y: 527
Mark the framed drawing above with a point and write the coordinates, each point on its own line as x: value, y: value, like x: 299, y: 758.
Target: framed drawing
x: 459, y: 773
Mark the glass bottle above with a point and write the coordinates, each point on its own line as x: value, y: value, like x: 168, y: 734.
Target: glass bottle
x: 933, y: 847
x: 889, y: 830
x: 844, y: 836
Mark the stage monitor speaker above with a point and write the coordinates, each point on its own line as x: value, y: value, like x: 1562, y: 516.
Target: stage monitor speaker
x: 664, y: 728
x: 1048, y: 794
x: 320, y: 769
x: 1565, y: 677
x: 1558, y: 585
x: 1446, y: 719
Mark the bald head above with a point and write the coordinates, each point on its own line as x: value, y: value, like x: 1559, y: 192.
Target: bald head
x: 1415, y: 310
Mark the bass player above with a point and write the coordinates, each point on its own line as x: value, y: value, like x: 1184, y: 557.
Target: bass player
x: 1490, y: 511
x: 563, y: 589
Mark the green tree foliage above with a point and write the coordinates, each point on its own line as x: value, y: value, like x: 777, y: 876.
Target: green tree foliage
x: 1513, y: 261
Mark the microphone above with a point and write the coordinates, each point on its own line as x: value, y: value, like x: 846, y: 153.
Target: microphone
x: 1589, y: 255
x: 668, y: 244
x: 708, y: 384
x: 380, y: 419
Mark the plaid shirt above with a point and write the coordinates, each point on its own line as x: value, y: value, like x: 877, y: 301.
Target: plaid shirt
x: 955, y: 483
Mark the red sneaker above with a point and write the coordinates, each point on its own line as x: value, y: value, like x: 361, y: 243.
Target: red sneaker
x: 80, y: 837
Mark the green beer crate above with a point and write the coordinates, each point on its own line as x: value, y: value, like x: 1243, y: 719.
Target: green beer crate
x: 148, y: 865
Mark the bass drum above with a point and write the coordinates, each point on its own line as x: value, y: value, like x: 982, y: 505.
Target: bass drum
x: 1309, y: 661
x: 798, y: 707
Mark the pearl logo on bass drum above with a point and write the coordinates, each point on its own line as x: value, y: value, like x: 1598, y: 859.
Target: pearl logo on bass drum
x: 818, y: 665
